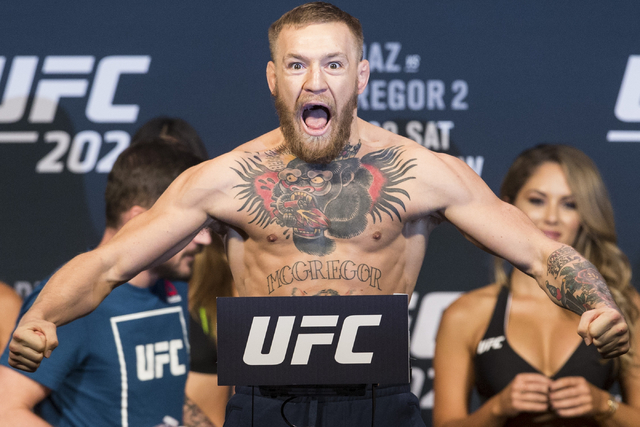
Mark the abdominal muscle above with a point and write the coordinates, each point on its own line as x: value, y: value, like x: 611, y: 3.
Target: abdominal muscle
x: 368, y: 265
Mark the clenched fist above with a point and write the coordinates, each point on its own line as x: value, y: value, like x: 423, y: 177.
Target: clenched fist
x: 32, y: 340
x: 606, y: 328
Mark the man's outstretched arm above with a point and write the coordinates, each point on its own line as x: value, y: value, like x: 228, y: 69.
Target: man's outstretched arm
x: 569, y: 279
x: 78, y: 287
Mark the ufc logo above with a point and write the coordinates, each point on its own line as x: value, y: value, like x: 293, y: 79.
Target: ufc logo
x: 494, y: 343
x: 49, y: 91
x: 304, y: 343
x: 152, y: 358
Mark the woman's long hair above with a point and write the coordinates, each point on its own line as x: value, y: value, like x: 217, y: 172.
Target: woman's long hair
x: 596, y: 239
x: 211, y: 278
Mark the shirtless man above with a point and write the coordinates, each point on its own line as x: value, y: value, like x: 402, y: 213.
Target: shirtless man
x: 326, y: 204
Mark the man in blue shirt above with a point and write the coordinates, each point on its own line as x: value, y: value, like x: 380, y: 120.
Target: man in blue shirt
x: 126, y: 363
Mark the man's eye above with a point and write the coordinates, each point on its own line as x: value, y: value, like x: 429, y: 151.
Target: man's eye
x: 334, y: 65
x: 296, y: 66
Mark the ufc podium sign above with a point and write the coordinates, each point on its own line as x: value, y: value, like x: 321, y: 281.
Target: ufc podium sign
x: 313, y: 340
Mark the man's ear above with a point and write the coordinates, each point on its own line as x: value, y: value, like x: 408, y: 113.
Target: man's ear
x: 131, y: 213
x: 363, y: 75
x: 271, y: 77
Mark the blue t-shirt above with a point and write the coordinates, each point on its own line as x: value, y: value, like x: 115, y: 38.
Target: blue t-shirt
x: 125, y: 364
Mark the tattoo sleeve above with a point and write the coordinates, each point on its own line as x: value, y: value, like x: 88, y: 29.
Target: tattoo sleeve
x: 193, y: 415
x: 578, y: 285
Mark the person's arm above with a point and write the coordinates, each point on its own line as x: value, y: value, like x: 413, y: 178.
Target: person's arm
x: 146, y: 240
x: 574, y: 396
x: 454, y: 374
x: 10, y: 303
x: 193, y: 416
x: 567, y: 277
x: 18, y: 396
x: 203, y: 390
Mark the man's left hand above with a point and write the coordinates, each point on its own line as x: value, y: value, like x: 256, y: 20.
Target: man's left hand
x: 606, y: 328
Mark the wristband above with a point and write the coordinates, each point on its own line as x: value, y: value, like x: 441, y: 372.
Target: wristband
x: 612, y: 403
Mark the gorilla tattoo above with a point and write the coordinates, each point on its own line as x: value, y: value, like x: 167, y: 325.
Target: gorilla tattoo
x: 316, y: 202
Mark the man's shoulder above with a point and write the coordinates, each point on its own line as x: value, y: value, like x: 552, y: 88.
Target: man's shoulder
x: 255, y: 151
x: 263, y: 143
x: 375, y: 137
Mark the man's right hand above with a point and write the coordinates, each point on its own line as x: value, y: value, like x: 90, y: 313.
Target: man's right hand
x: 32, y: 340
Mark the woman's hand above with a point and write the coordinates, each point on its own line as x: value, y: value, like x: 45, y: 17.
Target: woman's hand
x: 527, y: 392
x: 575, y: 396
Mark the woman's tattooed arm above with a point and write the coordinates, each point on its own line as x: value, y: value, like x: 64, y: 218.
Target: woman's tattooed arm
x: 581, y: 286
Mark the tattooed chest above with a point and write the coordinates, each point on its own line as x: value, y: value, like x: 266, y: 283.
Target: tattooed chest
x: 313, y: 205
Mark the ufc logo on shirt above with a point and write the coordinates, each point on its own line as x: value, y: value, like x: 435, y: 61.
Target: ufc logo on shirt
x: 494, y: 343
x: 151, y: 359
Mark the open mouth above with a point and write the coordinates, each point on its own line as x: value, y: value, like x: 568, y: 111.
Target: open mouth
x: 316, y: 117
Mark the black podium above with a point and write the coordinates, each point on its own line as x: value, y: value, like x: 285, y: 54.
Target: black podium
x: 313, y: 346
x: 313, y: 341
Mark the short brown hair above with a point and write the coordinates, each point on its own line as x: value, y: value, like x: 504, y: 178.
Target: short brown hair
x: 315, y: 13
x: 142, y: 173
x: 171, y: 129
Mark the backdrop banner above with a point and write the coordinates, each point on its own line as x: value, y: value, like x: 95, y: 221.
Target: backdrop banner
x: 479, y: 80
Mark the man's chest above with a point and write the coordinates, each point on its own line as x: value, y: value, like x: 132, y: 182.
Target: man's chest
x: 317, y: 204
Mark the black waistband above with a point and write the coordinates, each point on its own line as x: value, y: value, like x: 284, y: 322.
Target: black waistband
x: 324, y: 392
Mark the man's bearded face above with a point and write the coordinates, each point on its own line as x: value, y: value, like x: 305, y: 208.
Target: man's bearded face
x: 316, y: 112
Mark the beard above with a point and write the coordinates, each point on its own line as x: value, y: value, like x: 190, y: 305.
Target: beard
x: 315, y: 149
x: 175, y: 268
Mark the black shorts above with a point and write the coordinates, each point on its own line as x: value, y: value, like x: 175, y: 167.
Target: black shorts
x: 396, y: 406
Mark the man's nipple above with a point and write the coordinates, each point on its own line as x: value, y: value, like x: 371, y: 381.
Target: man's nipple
x: 272, y: 238
x: 377, y: 235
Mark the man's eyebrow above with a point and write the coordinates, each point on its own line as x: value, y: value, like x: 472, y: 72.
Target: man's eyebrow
x: 301, y: 57
x: 294, y: 56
